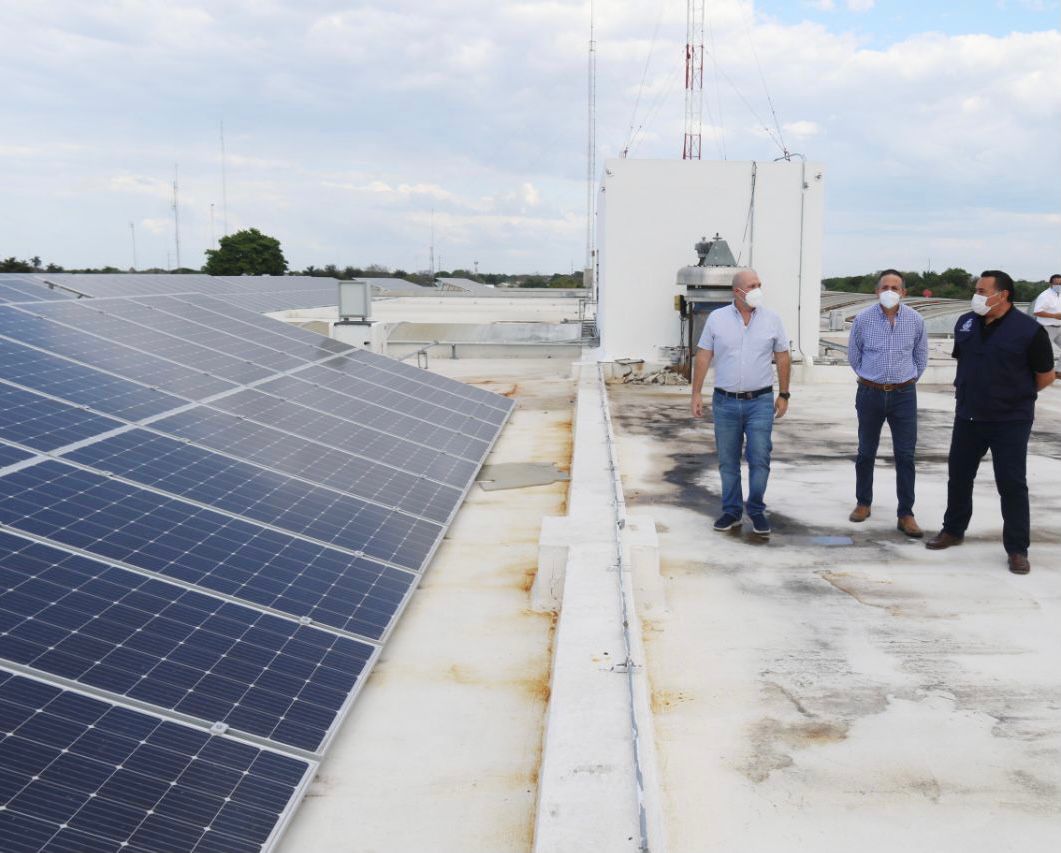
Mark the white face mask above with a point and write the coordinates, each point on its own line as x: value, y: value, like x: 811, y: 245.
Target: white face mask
x: 979, y: 304
x: 753, y: 298
x: 1056, y: 288
x: 889, y: 299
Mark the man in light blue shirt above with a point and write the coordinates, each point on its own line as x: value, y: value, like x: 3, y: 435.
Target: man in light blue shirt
x: 742, y: 340
x: 888, y: 350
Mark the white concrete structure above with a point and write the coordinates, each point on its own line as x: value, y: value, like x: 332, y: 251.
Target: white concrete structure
x: 652, y: 213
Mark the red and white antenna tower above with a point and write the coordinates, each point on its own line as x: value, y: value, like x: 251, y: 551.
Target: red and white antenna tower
x: 694, y: 79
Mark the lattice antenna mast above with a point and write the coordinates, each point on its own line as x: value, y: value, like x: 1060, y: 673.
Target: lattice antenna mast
x: 176, y: 218
x: 224, y: 184
x: 694, y: 79
x: 591, y: 142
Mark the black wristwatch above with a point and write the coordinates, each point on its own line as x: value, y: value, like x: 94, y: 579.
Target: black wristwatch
x: 784, y: 395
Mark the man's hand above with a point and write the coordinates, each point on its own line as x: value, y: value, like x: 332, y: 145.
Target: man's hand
x: 698, y: 405
x: 780, y: 407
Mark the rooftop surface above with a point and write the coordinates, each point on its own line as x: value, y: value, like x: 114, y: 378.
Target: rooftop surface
x: 830, y: 697
x: 837, y: 687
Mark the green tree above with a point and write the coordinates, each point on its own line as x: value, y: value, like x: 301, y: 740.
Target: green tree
x: 247, y: 252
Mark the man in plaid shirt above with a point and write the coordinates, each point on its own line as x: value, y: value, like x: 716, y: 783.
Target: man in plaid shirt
x: 888, y: 350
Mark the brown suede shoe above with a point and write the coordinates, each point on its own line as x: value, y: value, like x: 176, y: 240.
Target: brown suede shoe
x: 1019, y: 565
x: 942, y: 540
x: 908, y: 525
x: 859, y: 513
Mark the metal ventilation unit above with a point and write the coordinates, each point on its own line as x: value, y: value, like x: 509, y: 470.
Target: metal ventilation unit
x: 702, y: 288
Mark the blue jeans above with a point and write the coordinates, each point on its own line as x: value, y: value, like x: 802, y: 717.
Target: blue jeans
x: 899, y: 409
x: 735, y: 421
x: 1008, y: 443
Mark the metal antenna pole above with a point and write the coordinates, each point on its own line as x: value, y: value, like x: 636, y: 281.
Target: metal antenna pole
x: 694, y: 79
x: 176, y: 217
x: 224, y: 184
x: 213, y: 238
x: 132, y: 233
x: 591, y: 141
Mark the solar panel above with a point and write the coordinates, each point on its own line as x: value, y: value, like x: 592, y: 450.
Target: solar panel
x: 24, y: 291
x: 333, y: 515
x: 113, y: 356
x: 80, y: 775
x: 77, y: 383
x: 88, y: 317
x: 348, y: 427
x: 172, y: 647
x: 10, y: 455
x: 228, y: 320
x: 180, y: 540
x: 207, y: 518
x: 345, y: 381
x: 45, y: 424
x: 351, y: 402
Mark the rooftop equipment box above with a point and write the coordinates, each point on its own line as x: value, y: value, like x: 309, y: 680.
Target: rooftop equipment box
x: 651, y: 214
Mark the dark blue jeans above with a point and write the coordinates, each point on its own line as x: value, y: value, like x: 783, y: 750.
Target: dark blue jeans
x: 736, y: 420
x: 1008, y: 443
x: 898, y: 409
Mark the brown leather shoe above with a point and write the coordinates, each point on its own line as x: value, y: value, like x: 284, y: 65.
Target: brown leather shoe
x: 1019, y: 565
x: 859, y: 513
x: 942, y: 540
x: 908, y: 525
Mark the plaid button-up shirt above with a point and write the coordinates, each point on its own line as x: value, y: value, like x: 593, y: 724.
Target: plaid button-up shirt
x: 886, y: 352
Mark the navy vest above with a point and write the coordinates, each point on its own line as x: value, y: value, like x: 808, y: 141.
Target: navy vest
x: 994, y: 381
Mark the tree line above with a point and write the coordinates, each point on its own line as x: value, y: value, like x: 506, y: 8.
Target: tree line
x: 250, y: 252
x: 952, y: 283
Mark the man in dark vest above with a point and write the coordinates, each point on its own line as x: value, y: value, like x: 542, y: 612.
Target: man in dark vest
x: 1004, y: 360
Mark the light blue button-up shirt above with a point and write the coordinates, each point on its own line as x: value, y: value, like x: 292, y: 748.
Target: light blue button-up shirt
x: 743, y: 355
x: 886, y: 352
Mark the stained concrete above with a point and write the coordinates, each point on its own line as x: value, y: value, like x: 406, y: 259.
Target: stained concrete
x: 442, y: 749
x: 822, y: 697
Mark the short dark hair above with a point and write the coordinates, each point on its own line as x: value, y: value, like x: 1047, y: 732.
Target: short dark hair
x: 1002, y: 282
x: 1055, y: 275
x: 891, y: 272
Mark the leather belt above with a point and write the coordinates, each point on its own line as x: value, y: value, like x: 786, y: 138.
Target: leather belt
x: 746, y: 395
x: 891, y: 386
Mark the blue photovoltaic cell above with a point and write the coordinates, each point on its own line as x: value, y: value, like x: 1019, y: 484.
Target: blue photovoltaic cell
x: 381, y: 485
x: 424, y: 386
x: 249, y: 490
x: 156, y: 642
x: 118, y: 521
x: 341, y: 428
x: 238, y: 323
x: 341, y: 376
x: 112, y: 356
x: 45, y: 424
x: 90, y: 318
x: 10, y: 455
x: 79, y: 775
x: 13, y: 289
x: 347, y: 405
x: 224, y: 341
x: 274, y: 327
x: 83, y: 385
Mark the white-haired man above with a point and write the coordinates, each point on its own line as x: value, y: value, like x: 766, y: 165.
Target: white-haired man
x: 743, y: 340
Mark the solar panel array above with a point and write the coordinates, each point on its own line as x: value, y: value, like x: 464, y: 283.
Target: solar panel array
x: 209, y: 524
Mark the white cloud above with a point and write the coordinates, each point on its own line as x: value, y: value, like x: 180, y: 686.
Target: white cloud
x: 347, y: 122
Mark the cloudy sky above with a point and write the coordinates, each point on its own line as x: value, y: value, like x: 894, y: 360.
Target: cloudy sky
x: 351, y: 127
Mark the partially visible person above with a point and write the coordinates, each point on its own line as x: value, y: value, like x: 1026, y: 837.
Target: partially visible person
x: 1047, y: 311
x: 888, y: 350
x: 1004, y: 360
x: 743, y: 340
